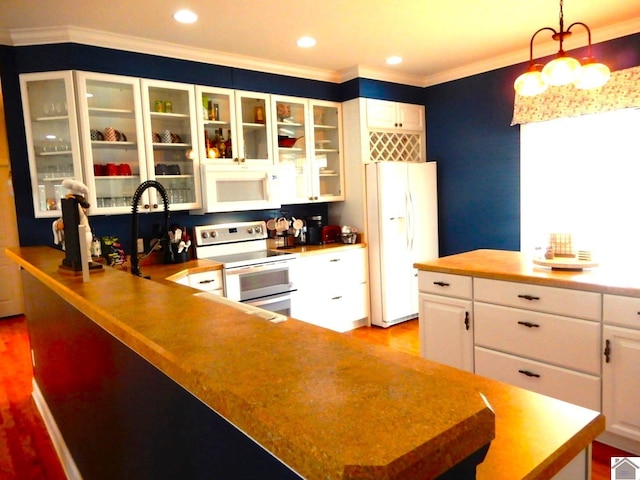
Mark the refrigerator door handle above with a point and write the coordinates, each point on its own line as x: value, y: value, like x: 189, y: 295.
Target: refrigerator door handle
x: 410, y: 226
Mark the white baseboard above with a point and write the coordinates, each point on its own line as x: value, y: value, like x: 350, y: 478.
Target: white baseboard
x: 68, y: 464
x: 620, y: 442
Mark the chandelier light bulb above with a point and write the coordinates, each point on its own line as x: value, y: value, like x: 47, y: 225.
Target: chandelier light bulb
x: 561, y: 71
x: 592, y: 75
x: 530, y: 83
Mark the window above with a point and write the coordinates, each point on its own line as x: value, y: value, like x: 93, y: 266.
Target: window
x: 582, y: 176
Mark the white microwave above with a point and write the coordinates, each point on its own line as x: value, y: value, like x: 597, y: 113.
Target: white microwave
x: 232, y: 188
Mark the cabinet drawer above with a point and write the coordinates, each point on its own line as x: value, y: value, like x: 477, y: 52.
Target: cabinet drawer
x: 211, y: 280
x: 573, y: 303
x: 328, y: 270
x: 445, y: 284
x: 618, y: 310
x: 338, y: 311
x: 574, y: 387
x: 562, y: 341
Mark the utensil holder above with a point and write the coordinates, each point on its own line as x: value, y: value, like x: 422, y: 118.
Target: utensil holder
x: 172, y: 255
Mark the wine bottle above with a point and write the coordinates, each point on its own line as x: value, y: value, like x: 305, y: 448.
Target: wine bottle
x: 228, y: 148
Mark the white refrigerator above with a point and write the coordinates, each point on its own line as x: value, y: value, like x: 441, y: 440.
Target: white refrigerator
x: 402, y: 228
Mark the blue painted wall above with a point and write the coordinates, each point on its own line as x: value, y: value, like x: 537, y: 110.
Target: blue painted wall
x: 468, y: 134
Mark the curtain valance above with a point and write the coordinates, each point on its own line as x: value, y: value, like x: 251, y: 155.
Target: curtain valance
x: 621, y: 91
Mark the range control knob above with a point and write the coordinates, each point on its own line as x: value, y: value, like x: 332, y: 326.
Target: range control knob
x: 250, y: 230
x: 258, y: 229
x: 205, y: 235
x: 214, y: 234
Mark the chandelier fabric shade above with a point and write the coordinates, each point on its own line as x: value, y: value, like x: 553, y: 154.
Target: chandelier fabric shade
x: 563, y: 70
x: 621, y: 91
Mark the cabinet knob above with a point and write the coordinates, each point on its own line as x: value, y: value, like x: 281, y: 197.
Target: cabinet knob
x: 155, y: 206
x: 146, y: 206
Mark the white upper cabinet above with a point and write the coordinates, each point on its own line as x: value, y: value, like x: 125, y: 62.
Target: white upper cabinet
x: 308, y: 149
x: 112, y: 138
x: 51, y: 130
x: 233, y: 127
x: 171, y: 136
x: 394, y: 116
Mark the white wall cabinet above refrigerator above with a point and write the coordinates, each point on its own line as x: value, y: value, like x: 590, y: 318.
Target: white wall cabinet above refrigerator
x: 51, y: 129
x: 308, y: 149
x: 394, y: 116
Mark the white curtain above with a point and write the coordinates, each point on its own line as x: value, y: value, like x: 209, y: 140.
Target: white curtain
x: 582, y: 176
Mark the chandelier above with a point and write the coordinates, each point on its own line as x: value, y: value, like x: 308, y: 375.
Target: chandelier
x: 562, y: 70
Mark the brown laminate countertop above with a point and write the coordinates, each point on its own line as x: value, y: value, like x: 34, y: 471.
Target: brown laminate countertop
x: 326, y: 404
x: 519, y: 267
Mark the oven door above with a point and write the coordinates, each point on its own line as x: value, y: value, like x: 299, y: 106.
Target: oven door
x: 238, y: 188
x: 277, y: 304
x: 256, y: 281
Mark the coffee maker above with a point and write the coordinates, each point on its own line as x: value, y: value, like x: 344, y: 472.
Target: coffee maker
x: 314, y: 229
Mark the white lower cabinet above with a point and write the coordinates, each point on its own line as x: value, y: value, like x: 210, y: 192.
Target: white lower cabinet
x: 446, y: 319
x: 209, y: 281
x: 621, y: 367
x: 332, y: 289
x: 556, y: 353
x: 445, y: 330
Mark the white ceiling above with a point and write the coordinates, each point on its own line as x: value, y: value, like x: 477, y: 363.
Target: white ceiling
x: 439, y: 40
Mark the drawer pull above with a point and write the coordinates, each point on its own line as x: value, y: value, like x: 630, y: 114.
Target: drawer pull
x: 441, y: 284
x: 607, y: 351
x: 334, y: 260
x: 206, y: 281
x: 529, y: 324
x: 466, y: 320
x: 528, y: 373
x: 529, y: 297
x: 336, y: 298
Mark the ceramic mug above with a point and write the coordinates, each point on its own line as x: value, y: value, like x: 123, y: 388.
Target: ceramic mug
x: 111, y: 169
x: 110, y: 134
x: 98, y: 170
x: 165, y: 136
x: 124, y: 170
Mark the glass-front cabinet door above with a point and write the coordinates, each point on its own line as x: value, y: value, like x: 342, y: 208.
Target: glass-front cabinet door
x: 112, y: 138
x: 216, y: 126
x: 291, y: 118
x: 253, y: 111
x: 327, y: 161
x: 171, y: 138
x: 52, y: 137
x: 309, y: 149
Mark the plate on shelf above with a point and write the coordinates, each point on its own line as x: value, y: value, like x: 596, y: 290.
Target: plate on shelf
x: 565, y: 263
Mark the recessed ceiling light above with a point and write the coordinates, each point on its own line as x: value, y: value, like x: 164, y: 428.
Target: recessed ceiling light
x: 185, y: 16
x: 394, y: 60
x: 306, y: 42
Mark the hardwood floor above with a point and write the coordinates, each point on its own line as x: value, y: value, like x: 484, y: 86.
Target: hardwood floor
x: 26, y: 451
x: 404, y: 337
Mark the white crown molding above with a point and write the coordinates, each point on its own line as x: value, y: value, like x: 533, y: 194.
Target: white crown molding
x: 622, y: 29
x: 39, y: 36
x: 361, y: 71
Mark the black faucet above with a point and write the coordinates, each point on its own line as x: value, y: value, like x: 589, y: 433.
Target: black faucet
x: 164, y: 241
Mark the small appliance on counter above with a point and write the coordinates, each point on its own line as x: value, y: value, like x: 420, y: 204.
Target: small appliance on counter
x: 331, y: 233
x: 314, y: 230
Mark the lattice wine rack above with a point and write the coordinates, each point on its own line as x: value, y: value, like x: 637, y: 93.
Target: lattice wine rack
x: 394, y: 147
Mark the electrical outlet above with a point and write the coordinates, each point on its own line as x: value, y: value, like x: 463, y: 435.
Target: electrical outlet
x: 140, y: 245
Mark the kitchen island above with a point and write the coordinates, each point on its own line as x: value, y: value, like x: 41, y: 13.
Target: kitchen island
x: 130, y: 368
